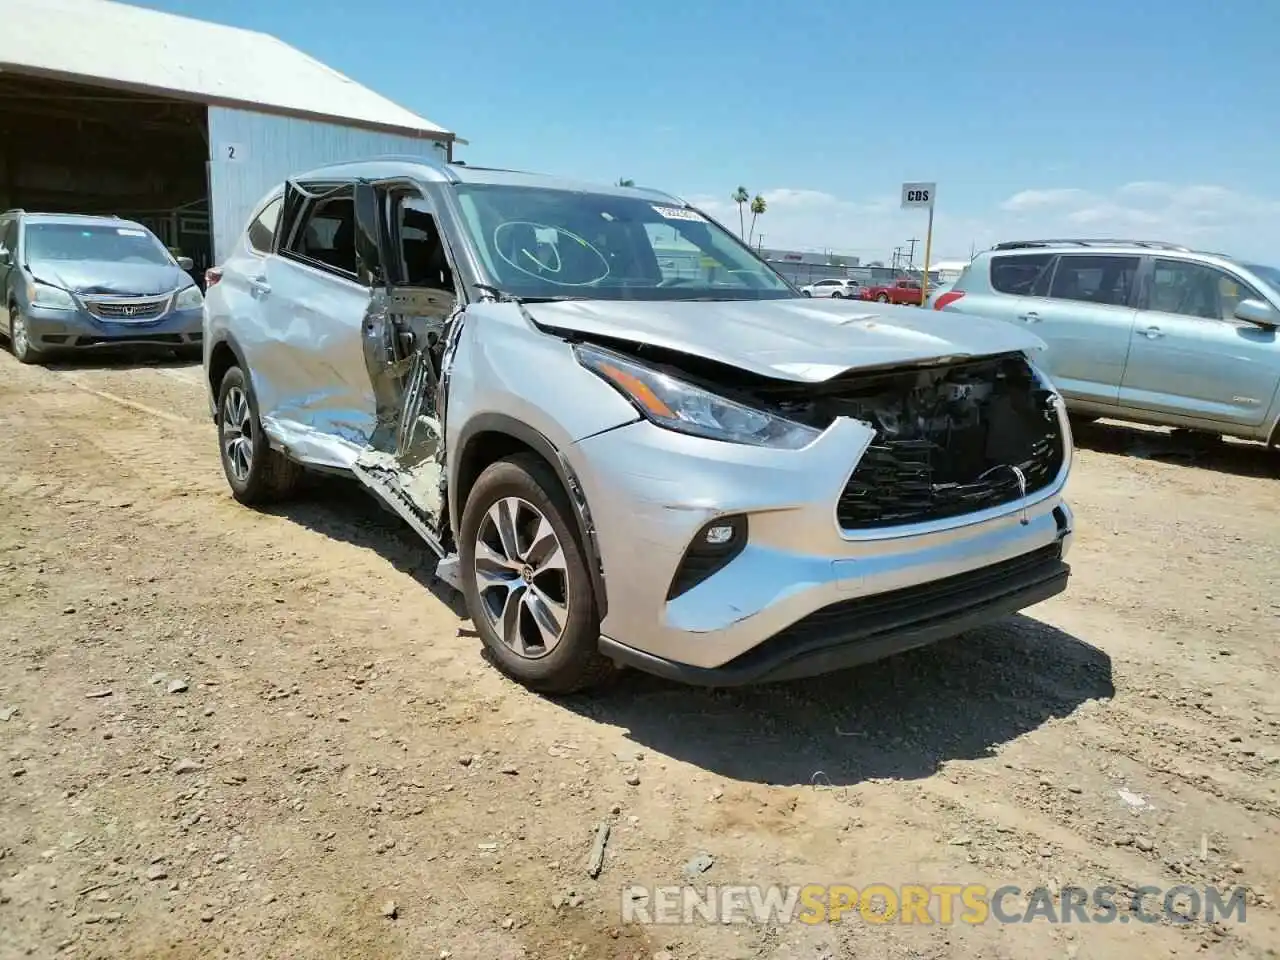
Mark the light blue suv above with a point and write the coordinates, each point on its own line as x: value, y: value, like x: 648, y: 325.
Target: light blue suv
x: 1142, y: 331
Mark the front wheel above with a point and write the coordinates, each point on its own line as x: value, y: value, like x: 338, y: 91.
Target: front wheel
x: 256, y: 473
x: 20, y: 339
x: 526, y: 581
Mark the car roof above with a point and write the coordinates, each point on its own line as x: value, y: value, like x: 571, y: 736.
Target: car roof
x: 432, y: 171
x: 1109, y: 247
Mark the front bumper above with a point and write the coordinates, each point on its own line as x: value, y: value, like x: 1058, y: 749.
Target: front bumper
x: 804, y: 596
x: 50, y: 329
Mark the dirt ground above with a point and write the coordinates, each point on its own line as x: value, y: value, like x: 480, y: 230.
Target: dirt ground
x: 227, y: 733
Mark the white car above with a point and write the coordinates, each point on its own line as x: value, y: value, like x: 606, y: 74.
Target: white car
x: 832, y: 288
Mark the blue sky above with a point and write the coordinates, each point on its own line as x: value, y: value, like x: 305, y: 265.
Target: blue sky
x: 1151, y: 118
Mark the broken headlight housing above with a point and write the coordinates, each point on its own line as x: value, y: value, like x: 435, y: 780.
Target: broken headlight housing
x: 680, y: 406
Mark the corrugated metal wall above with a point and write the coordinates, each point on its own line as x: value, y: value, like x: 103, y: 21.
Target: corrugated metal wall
x: 252, y: 152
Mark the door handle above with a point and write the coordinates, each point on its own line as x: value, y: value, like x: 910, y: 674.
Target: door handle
x: 1030, y: 316
x: 1153, y: 333
x: 260, y: 285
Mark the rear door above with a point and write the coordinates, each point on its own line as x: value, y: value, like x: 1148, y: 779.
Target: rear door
x: 1086, y: 320
x: 1190, y: 355
x: 309, y: 368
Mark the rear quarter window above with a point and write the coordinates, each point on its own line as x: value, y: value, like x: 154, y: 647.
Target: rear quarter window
x: 262, y: 232
x: 1019, y: 275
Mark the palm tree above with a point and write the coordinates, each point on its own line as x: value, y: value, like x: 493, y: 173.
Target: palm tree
x: 626, y: 182
x: 758, y: 206
x: 740, y: 196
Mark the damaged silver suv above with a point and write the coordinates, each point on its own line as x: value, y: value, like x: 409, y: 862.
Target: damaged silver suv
x: 629, y: 440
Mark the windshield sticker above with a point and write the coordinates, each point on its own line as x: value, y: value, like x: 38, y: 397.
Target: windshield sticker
x: 679, y: 213
x: 129, y: 232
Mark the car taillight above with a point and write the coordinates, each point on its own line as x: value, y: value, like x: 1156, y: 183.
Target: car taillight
x: 212, y: 276
x: 951, y: 296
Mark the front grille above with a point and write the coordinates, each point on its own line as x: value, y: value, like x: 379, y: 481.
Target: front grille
x: 127, y: 309
x: 952, y: 441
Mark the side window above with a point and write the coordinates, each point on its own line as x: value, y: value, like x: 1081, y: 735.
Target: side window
x: 1018, y: 275
x: 262, y: 232
x: 424, y: 262
x: 1196, y: 290
x: 327, y: 233
x: 9, y: 235
x: 1094, y: 279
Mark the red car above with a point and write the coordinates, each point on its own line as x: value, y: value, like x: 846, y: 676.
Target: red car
x: 901, y: 291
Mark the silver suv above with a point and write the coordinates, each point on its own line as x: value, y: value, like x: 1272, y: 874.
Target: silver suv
x: 1141, y: 331
x: 621, y: 459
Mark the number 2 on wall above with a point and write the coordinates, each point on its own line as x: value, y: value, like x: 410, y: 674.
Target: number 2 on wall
x: 231, y: 153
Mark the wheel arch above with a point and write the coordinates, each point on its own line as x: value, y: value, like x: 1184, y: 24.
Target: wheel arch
x: 224, y: 354
x: 490, y: 437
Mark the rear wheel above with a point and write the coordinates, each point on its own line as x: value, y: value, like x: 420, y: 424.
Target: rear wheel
x: 837, y: 295
x: 526, y: 581
x: 883, y: 298
x: 20, y: 339
x: 256, y: 473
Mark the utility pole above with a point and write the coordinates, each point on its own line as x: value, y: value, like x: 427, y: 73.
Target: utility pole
x: 911, y: 255
x: 897, y: 256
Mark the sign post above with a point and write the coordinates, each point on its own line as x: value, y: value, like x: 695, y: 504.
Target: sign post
x: 915, y: 196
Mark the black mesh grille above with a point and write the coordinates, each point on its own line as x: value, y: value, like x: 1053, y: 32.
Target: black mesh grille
x: 935, y: 456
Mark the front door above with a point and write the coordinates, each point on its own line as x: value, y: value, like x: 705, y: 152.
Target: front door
x: 8, y: 260
x: 1190, y: 356
x: 1086, y: 320
x: 411, y: 325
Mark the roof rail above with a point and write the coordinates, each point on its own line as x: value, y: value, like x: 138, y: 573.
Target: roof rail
x: 12, y: 211
x: 1076, y: 242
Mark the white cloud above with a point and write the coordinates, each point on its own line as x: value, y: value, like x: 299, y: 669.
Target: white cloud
x: 1205, y: 215
x: 1042, y: 199
x: 1194, y: 214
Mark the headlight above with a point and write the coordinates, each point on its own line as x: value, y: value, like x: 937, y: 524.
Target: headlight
x: 680, y: 406
x: 43, y: 295
x: 189, y: 299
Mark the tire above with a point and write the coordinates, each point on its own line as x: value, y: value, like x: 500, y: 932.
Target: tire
x: 882, y: 298
x: 268, y: 476
x: 522, y: 492
x: 19, y: 344
x: 806, y: 293
x: 837, y: 296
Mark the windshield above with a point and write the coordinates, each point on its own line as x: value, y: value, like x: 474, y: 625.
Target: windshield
x: 1269, y: 274
x: 542, y: 243
x: 77, y: 241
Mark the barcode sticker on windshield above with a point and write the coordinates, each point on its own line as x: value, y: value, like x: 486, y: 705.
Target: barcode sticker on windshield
x: 680, y: 213
x: 130, y: 232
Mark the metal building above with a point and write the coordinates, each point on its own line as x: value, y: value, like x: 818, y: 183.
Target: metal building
x: 179, y: 123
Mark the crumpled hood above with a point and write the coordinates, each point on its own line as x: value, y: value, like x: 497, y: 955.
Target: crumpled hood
x: 796, y: 339
x: 107, y: 278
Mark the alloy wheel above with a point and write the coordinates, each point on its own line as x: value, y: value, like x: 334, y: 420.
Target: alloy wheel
x: 237, y: 433
x: 18, y: 337
x: 522, y: 577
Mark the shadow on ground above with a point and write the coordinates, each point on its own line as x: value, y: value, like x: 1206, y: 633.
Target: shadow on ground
x: 343, y: 510
x: 1237, y: 457
x: 900, y: 718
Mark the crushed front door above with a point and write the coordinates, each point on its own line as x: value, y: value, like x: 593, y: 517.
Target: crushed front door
x: 408, y: 334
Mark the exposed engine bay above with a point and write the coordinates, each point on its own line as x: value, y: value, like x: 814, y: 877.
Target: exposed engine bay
x: 951, y: 438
